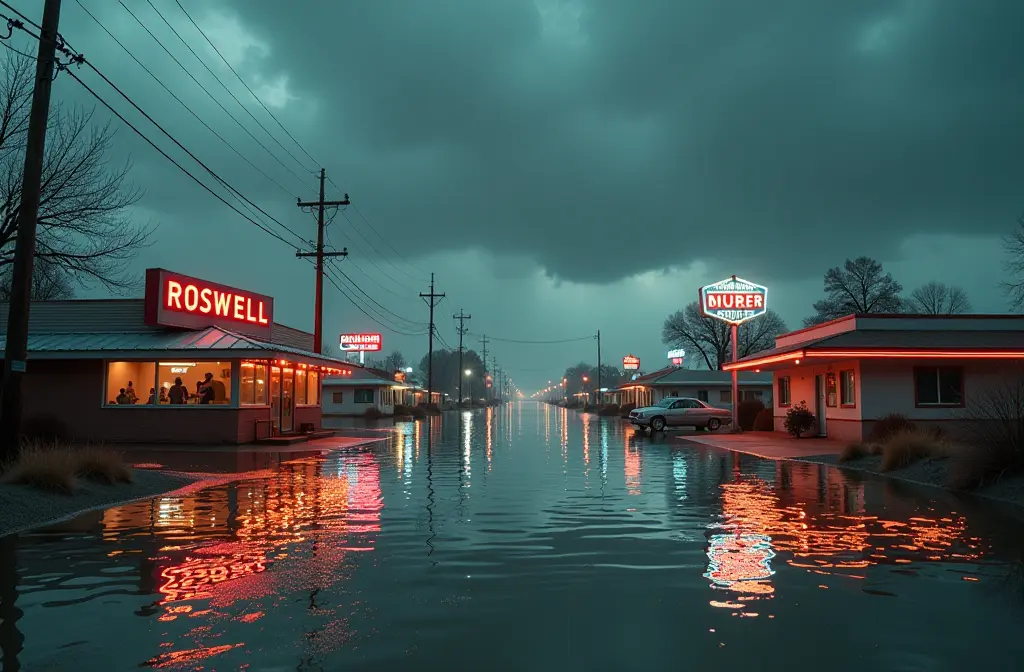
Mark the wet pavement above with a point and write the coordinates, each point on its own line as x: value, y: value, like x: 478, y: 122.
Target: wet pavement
x: 520, y: 538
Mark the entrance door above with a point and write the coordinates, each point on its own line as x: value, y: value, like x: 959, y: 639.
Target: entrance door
x: 275, y: 399
x: 819, y: 395
x: 287, y: 401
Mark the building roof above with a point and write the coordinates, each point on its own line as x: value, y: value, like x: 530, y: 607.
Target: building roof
x: 338, y: 381
x: 893, y: 343
x: 680, y: 376
x: 140, y: 344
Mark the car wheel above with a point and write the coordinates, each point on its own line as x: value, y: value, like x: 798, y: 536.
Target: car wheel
x: 713, y: 424
x: 658, y: 424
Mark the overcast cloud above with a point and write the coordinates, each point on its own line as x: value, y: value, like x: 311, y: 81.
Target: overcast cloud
x: 565, y: 166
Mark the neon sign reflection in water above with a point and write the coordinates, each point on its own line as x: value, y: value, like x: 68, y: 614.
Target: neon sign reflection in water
x: 740, y: 562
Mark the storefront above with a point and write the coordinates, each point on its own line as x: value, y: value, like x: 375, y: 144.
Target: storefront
x: 192, y: 362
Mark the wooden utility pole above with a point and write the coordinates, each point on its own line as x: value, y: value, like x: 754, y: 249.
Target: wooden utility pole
x: 483, y: 345
x: 598, y: 402
x: 432, y: 299
x: 461, y: 317
x: 318, y: 317
x: 16, y: 346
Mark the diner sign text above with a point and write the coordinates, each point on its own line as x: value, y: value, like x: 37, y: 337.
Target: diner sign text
x: 175, y: 300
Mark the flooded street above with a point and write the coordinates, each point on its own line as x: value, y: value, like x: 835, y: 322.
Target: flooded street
x: 524, y: 538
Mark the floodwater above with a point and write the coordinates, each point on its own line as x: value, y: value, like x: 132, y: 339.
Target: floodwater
x: 521, y: 538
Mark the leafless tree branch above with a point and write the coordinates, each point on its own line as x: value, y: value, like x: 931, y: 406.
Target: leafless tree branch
x: 859, y: 287
x: 1014, y: 266
x: 711, y: 339
x: 936, y: 298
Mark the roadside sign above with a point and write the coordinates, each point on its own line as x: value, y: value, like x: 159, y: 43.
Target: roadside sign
x: 733, y: 300
x: 630, y: 363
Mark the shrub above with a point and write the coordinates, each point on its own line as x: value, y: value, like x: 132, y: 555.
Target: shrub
x: 995, y: 441
x: 746, y: 413
x: 890, y: 424
x: 410, y: 411
x: 100, y: 464
x: 799, y: 419
x: 43, y: 466
x: 765, y: 421
x: 910, y: 445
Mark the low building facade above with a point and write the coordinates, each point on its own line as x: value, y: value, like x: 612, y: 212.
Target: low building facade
x: 192, y: 362
x: 936, y: 370
x: 712, y: 387
x: 366, y: 390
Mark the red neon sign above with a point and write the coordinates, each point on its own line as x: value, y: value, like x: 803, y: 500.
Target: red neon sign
x: 733, y: 300
x: 630, y: 363
x: 363, y: 342
x: 175, y: 300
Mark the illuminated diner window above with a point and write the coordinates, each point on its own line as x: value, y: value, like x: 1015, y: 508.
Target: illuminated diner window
x: 252, y: 385
x: 300, y: 386
x: 130, y: 383
x: 193, y: 388
x: 313, y: 387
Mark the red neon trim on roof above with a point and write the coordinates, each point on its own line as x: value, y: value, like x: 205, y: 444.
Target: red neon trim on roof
x: 752, y: 363
x: 933, y: 354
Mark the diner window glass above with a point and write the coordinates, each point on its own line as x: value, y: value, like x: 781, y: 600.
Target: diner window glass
x: 784, y: 391
x: 313, y: 387
x: 300, y: 387
x: 252, y: 386
x: 831, y: 391
x: 702, y: 395
x: 847, y: 390
x: 130, y: 383
x: 363, y: 396
x: 192, y: 375
x: 939, y: 386
x: 725, y: 396
x: 338, y: 397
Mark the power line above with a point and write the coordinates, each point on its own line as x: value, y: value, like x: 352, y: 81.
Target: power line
x: 360, y: 307
x: 382, y: 256
x: 372, y: 300
x: 207, y: 92
x: 251, y: 92
x: 180, y: 101
x: 173, y: 161
x: 22, y: 53
x: 526, y: 342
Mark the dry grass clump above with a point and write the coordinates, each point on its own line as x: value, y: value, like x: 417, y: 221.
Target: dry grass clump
x: 765, y: 421
x: 994, y: 444
x: 888, y: 425
x: 910, y: 445
x: 857, y: 451
x: 57, y: 466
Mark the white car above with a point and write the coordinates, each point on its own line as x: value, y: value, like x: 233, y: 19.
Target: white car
x: 680, y: 412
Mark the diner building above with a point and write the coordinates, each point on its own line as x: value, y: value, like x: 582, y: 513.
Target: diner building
x: 941, y: 370
x: 191, y: 362
x: 712, y: 387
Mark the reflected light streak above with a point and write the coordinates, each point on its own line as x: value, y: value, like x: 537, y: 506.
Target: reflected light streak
x: 488, y: 439
x: 586, y: 439
x: 467, y: 443
x: 631, y: 466
x: 741, y: 563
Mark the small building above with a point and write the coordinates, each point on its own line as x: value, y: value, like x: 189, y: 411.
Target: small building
x: 713, y: 387
x: 850, y: 372
x: 365, y: 390
x: 264, y: 378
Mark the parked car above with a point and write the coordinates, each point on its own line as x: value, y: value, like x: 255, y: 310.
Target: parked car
x: 680, y: 412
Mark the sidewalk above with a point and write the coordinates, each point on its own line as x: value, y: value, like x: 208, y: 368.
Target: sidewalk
x: 769, y: 445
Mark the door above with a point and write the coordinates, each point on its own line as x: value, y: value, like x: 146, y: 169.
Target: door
x: 819, y: 404
x: 275, y: 399
x: 287, y: 400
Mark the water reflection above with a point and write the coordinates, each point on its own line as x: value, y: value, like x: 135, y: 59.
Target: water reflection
x: 377, y: 557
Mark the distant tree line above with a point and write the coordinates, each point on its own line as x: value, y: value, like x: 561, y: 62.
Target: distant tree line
x: 574, y: 375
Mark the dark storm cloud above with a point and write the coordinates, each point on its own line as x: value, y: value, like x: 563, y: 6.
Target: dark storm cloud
x: 654, y: 133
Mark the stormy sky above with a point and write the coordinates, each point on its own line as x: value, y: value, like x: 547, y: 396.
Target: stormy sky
x: 565, y: 166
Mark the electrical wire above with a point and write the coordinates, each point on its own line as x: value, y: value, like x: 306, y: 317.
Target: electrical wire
x: 173, y: 161
x: 22, y: 53
x: 374, y: 302
x: 351, y: 259
x: 247, y: 88
x: 181, y: 102
x: 207, y: 91
x: 330, y: 277
x: 525, y: 342
x: 376, y: 251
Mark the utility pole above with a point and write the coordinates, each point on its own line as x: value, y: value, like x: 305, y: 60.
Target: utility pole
x: 494, y: 370
x: 598, y: 367
x: 16, y: 347
x: 462, y: 330
x: 432, y: 299
x: 483, y: 344
x: 318, y: 317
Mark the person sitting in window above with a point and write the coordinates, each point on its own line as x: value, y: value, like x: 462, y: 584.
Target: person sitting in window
x: 152, y: 396
x: 178, y: 394
x: 205, y: 390
x: 123, y: 398
x: 130, y: 391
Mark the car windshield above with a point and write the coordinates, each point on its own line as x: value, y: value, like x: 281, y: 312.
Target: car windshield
x: 665, y: 403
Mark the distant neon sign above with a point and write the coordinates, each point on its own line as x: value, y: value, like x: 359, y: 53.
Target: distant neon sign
x: 630, y: 363
x: 360, y: 342
x: 175, y: 300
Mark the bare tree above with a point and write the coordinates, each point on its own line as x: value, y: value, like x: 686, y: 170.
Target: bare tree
x: 712, y: 339
x: 859, y: 287
x: 1014, y: 284
x: 49, y: 282
x: 936, y: 298
x: 85, y: 231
